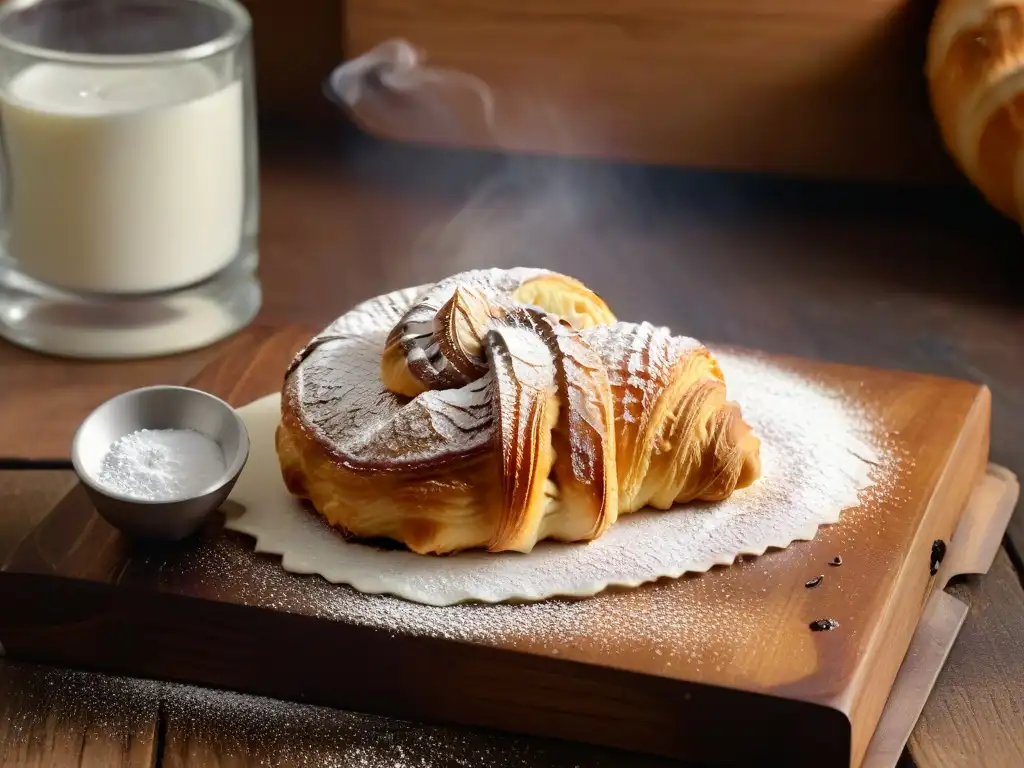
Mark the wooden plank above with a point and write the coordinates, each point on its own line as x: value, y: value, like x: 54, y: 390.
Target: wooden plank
x: 232, y: 730
x: 975, y: 715
x: 56, y: 717
x: 54, y: 396
x: 219, y: 728
x: 45, y: 399
x: 252, y: 364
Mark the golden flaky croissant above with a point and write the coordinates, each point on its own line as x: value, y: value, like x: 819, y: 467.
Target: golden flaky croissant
x: 975, y: 71
x: 498, y: 408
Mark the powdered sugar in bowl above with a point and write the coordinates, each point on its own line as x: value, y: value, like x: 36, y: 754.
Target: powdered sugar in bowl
x: 158, y: 461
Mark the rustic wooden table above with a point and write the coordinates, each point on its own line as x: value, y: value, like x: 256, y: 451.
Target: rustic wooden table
x: 903, y: 278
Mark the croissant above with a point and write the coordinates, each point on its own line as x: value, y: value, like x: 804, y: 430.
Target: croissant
x: 498, y: 408
x: 974, y: 66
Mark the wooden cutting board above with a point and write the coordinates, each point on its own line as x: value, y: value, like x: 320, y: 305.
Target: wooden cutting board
x: 719, y: 666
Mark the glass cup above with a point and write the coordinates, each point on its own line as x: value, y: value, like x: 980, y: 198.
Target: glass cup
x: 129, y: 177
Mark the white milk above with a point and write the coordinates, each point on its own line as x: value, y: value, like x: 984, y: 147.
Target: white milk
x: 123, y: 180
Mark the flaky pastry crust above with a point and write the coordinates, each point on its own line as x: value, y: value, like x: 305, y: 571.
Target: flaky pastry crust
x: 499, y: 408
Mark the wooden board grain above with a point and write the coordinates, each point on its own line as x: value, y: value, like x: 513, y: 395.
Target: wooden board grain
x: 211, y: 612
x: 793, y: 86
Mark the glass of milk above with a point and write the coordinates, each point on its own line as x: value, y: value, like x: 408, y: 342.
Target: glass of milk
x: 128, y: 175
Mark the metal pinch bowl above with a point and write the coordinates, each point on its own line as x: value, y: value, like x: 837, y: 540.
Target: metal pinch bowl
x: 160, y: 407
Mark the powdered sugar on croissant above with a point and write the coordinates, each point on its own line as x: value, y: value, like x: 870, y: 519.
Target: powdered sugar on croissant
x: 498, y: 408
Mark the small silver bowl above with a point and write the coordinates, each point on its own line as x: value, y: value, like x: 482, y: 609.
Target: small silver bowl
x: 159, y: 408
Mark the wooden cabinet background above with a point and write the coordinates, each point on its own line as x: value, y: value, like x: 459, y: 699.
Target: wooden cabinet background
x: 296, y: 45
x: 832, y: 89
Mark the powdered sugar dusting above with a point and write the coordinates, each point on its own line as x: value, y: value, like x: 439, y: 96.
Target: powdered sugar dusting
x: 817, y: 454
x: 336, y: 385
x: 336, y: 382
x: 707, y: 622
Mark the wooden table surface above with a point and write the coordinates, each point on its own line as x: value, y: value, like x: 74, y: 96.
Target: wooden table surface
x: 924, y: 280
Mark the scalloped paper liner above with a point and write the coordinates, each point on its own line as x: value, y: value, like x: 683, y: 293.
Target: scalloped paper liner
x: 816, y: 456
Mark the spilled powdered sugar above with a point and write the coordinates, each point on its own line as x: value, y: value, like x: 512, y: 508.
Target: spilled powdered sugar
x: 818, y: 451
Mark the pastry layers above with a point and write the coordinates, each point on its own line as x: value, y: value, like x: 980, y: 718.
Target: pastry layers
x: 498, y: 408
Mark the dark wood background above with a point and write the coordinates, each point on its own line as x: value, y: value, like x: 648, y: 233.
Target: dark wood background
x: 793, y: 86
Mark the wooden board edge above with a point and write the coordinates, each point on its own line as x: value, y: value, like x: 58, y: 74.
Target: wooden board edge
x: 416, y: 678
x: 965, y: 466
x: 973, y: 548
x: 31, y: 555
